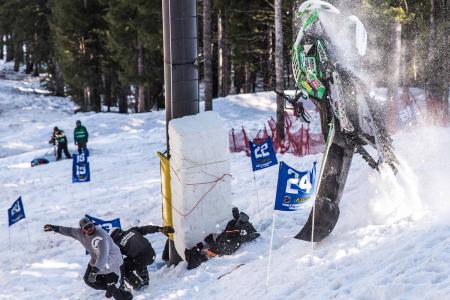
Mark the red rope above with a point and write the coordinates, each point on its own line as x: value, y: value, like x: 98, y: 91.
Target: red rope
x: 201, y: 198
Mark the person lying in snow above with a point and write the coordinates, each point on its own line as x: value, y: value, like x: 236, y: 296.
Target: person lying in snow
x: 239, y: 230
x: 138, y: 251
x: 103, y: 270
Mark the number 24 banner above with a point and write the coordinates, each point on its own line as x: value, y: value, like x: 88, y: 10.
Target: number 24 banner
x: 295, y: 189
x: 263, y: 155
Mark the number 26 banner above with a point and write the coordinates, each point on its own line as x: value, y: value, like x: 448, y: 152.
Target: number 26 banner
x: 295, y: 189
x: 263, y: 155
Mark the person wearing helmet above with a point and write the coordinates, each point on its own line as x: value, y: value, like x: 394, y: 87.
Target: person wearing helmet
x: 53, y: 138
x: 138, y: 253
x: 61, y: 144
x: 80, y: 136
x: 103, y: 270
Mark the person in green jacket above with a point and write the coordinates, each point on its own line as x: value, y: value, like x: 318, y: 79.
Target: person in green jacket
x: 80, y: 136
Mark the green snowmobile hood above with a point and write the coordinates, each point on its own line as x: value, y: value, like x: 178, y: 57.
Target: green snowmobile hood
x: 311, y: 19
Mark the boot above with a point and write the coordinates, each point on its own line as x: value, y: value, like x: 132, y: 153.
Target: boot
x: 143, y: 273
x: 130, y: 277
x: 133, y: 280
x: 118, y: 294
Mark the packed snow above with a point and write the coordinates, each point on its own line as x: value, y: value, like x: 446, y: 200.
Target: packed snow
x: 392, y: 240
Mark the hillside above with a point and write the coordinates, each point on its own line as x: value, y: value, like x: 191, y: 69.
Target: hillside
x: 391, y: 242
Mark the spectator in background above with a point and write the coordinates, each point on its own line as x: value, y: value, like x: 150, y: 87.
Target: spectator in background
x: 80, y: 136
x: 59, y: 140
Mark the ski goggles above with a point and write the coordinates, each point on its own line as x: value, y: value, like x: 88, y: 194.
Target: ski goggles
x: 87, y: 226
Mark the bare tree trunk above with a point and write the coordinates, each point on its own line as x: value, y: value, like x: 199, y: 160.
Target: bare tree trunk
x: 36, y: 69
x: 239, y: 78
x: 95, y: 86
x: 108, y: 92
x: 446, y: 62
x: 394, y: 71
x: 248, y: 78
x: 9, y: 48
x: 267, y: 58
x: 86, y: 97
x: 18, y: 56
x: 95, y: 99
x: 123, y: 100
x: 226, y: 83
x: 405, y: 62
x: 141, y: 88
x: 149, y: 99
x: 207, y: 53
x: 36, y: 64
x: 28, y: 62
x: 438, y: 63
x: 279, y: 67
x: 224, y: 57
x: 2, y: 43
x: 59, y: 83
x: 414, y: 61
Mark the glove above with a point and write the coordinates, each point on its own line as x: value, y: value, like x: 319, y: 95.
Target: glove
x: 48, y: 227
x: 166, y: 229
x: 92, y: 277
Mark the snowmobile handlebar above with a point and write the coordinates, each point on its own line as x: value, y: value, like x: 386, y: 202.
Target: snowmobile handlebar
x: 297, y: 105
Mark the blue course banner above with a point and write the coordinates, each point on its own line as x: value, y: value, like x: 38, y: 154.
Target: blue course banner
x: 295, y: 189
x: 262, y: 155
x: 80, y: 168
x: 16, y: 212
x: 106, y: 225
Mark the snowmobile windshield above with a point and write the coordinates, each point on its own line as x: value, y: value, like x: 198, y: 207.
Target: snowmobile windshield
x: 318, y: 19
x: 308, y: 13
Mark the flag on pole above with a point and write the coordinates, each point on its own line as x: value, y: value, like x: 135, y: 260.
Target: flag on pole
x: 16, y: 212
x: 262, y: 155
x: 80, y: 168
x: 295, y: 189
x: 106, y: 225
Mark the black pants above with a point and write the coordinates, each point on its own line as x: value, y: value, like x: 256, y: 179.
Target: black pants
x: 62, y: 147
x: 107, y: 282
x: 102, y: 281
x: 81, y: 147
x: 139, y: 264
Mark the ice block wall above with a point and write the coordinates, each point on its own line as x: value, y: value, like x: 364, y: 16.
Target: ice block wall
x: 200, y: 178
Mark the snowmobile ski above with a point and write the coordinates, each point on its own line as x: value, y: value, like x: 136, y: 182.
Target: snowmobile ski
x: 332, y: 177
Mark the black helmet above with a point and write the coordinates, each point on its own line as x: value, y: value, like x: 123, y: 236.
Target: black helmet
x: 115, y: 233
x: 85, y: 222
x: 55, y: 129
x: 78, y: 122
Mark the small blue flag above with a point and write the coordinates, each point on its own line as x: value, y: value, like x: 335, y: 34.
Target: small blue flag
x: 80, y: 168
x: 295, y: 189
x: 106, y: 225
x: 16, y: 212
x: 263, y: 155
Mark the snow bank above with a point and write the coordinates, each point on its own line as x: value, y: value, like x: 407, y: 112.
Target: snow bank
x: 200, y: 178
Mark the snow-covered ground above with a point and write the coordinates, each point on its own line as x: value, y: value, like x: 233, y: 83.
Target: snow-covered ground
x: 392, y: 240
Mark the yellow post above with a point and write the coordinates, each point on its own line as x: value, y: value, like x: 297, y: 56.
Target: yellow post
x: 166, y: 191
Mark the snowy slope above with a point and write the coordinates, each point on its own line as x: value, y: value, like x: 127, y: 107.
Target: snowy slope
x: 391, y: 242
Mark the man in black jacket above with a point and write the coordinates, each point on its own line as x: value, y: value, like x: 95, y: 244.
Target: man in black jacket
x: 138, y: 251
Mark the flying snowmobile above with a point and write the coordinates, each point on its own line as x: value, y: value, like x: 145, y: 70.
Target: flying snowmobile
x: 325, y: 59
